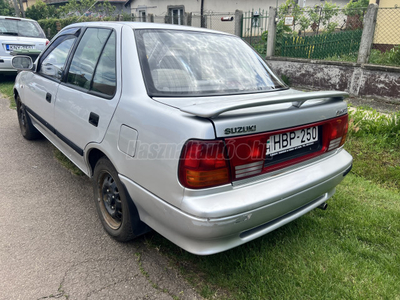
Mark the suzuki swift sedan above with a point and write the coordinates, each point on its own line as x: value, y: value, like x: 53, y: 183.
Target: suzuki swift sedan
x: 18, y: 34
x: 183, y: 130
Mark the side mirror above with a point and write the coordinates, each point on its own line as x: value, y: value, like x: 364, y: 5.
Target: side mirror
x: 22, y: 63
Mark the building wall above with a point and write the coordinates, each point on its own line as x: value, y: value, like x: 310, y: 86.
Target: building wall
x: 160, y: 7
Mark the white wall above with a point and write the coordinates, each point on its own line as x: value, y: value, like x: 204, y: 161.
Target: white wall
x: 216, y: 6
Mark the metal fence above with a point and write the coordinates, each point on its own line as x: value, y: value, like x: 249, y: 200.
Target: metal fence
x: 319, y: 33
x: 387, y: 29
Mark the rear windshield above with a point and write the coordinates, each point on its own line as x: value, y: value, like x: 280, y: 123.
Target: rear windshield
x: 188, y: 63
x: 14, y: 27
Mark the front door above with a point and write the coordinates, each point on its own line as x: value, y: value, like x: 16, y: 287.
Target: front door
x: 87, y: 99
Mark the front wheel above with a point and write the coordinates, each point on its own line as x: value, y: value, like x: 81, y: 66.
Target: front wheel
x: 112, y: 202
x: 28, y: 131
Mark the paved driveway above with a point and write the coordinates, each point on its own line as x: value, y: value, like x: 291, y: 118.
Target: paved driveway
x: 52, y: 244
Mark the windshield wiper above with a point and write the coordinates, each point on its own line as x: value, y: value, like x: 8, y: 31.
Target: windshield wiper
x: 9, y: 33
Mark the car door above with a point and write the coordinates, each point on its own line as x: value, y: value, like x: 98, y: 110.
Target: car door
x: 40, y: 90
x: 87, y: 99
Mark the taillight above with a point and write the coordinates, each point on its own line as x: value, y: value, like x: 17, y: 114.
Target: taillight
x: 338, y: 131
x: 47, y: 42
x: 203, y: 164
x: 208, y: 163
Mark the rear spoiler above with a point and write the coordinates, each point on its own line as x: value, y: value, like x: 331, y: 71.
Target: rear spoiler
x: 212, y: 110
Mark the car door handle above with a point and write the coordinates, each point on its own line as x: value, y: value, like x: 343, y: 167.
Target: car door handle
x: 48, y: 97
x: 94, y: 119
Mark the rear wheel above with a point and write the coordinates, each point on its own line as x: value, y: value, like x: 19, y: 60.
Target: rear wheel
x: 28, y: 131
x: 112, y: 202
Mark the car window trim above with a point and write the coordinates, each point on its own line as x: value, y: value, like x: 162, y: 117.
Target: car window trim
x: 69, y: 61
x: 58, y: 41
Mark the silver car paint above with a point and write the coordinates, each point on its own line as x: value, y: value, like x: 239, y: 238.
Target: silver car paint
x: 209, y: 220
x: 38, y: 43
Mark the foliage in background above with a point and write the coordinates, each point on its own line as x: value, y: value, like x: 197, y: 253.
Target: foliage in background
x: 6, y: 9
x: 391, y: 57
x: 51, y: 24
x: 41, y: 10
x: 87, y: 8
x: 356, y: 7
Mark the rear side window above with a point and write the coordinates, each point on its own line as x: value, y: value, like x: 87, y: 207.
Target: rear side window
x: 15, y: 27
x: 104, y: 80
x: 86, y: 56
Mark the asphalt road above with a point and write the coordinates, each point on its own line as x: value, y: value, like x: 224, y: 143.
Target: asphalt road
x: 52, y: 244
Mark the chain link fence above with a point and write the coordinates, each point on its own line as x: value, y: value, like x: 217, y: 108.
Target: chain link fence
x: 386, y: 43
x: 317, y: 33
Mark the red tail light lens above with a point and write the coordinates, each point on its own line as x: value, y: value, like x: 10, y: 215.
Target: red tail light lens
x: 47, y: 42
x: 203, y: 164
x: 214, y: 162
x: 338, y: 132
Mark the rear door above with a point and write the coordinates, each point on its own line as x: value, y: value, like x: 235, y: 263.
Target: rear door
x: 87, y: 99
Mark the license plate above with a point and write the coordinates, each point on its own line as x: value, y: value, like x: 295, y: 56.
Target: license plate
x: 293, y: 140
x: 18, y: 47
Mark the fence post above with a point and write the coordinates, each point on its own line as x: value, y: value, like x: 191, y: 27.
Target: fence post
x: 367, y: 37
x: 238, y: 22
x: 271, y: 31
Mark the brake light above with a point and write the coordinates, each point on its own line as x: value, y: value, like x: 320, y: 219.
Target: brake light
x: 203, y: 164
x: 208, y: 163
x: 338, y: 132
x: 47, y: 42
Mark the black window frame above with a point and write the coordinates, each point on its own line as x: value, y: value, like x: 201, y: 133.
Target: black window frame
x: 72, y: 32
x: 69, y: 61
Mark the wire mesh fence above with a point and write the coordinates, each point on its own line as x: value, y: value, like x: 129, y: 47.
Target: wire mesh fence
x: 318, y: 33
x: 387, y: 29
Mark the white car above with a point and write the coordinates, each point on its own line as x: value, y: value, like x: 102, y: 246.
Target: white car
x: 18, y: 34
x: 183, y: 130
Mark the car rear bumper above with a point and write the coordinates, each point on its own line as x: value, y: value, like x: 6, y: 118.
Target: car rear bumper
x: 208, y: 235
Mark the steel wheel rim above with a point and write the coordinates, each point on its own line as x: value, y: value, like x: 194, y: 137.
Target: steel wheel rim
x: 110, y: 201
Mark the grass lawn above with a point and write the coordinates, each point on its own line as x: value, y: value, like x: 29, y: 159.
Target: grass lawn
x: 6, y: 88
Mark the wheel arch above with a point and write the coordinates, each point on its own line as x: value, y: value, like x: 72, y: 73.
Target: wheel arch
x: 93, y: 156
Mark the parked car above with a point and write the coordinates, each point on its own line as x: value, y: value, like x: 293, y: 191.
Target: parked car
x: 18, y: 34
x: 183, y: 130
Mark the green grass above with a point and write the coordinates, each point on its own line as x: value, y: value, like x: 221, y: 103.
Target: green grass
x: 65, y: 162
x: 6, y: 88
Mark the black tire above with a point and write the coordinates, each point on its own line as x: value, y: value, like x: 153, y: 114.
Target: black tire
x: 28, y: 131
x: 112, y: 204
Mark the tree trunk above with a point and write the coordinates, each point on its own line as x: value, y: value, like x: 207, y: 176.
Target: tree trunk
x: 21, y: 5
x: 16, y: 7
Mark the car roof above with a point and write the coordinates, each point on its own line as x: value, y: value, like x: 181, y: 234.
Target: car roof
x: 143, y: 25
x: 16, y: 18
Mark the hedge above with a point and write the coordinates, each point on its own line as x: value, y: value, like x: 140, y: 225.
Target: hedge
x: 51, y: 24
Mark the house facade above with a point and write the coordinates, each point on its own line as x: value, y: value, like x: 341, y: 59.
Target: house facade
x: 142, y: 8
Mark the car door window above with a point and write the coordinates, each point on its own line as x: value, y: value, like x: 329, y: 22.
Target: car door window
x: 86, y: 56
x: 54, y: 63
x: 104, y: 80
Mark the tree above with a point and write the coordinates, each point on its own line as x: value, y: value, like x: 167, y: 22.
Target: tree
x: 86, y: 7
x: 6, y: 9
x: 41, y: 10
